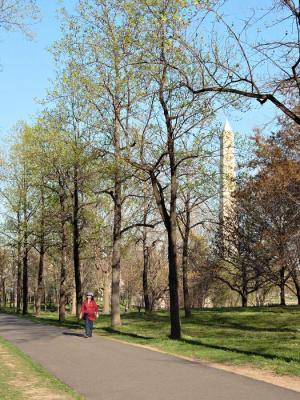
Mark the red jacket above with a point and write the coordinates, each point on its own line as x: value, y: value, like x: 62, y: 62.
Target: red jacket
x: 90, y: 308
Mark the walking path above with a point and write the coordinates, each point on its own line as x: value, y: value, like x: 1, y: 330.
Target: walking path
x: 103, y: 369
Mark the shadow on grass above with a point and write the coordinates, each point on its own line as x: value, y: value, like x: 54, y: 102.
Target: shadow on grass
x: 274, y: 308
x: 238, y: 351
x: 134, y: 335
x: 155, y: 316
x: 239, y: 326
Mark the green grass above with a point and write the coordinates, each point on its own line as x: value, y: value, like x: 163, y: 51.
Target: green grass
x: 267, y: 338
x: 21, y: 377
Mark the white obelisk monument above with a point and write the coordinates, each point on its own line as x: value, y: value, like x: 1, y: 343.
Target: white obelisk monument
x: 227, y: 174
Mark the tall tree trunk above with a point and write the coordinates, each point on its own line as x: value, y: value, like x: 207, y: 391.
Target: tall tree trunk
x: 45, y: 298
x: 106, y: 294
x: 172, y: 223
x: 25, y: 245
x: 39, y: 293
x: 76, y: 244
x: 74, y: 308
x: 146, y: 259
x: 19, y: 266
x: 3, y: 292
x: 173, y: 284
x: 282, y: 286
x: 63, y: 264
x: 25, y: 273
x: 186, y: 294
x: 244, y: 300
x: 297, y: 285
x: 116, y: 258
x: 170, y: 219
x: 146, y: 253
x: 244, y: 293
x: 11, y: 299
x: 116, y: 252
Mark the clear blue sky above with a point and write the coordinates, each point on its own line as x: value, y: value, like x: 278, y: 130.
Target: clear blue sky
x: 27, y: 67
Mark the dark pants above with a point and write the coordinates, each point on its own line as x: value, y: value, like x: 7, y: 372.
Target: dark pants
x: 88, y: 327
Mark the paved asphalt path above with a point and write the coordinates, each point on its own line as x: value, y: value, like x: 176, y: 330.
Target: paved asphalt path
x: 103, y: 369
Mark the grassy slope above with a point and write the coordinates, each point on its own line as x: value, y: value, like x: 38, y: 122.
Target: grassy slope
x: 263, y: 337
x: 21, y: 377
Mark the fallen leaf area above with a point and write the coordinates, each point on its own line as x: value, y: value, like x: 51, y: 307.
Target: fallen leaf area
x: 20, y: 380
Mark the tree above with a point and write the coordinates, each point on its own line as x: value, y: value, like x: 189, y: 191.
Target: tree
x: 203, y: 286
x: 17, y: 15
x: 28, y: 200
x: 105, y: 74
x: 242, y: 261
x: 12, y: 228
x: 172, y: 122
x: 276, y: 191
x: 197, y: 188
x: 233, y: 55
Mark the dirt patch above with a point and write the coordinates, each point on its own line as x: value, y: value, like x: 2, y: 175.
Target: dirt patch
x: 31, y: 387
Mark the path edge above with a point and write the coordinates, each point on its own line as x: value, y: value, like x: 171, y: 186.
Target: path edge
x: 284, y: 381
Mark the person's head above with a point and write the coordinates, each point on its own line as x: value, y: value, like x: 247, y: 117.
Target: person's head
x: 90, y: 295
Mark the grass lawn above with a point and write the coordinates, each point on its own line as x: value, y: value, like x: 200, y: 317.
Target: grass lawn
x: 22, y: 379
x: 263, y: 337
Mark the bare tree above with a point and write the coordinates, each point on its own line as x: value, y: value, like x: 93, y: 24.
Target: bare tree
x: 243, y: 261
x: 257, y: 57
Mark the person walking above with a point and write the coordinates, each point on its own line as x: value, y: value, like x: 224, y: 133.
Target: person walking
x: 89, y: 312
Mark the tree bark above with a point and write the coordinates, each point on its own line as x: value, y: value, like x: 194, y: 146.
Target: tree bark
x: 244, y: 300
x: 172, y: 225
x: 25, y: 246
x: 63, y: 264
x: 282, y: 286
x: 25, y: 272
x: 145, y: 276
x: 76, y: 244
x: 19, y: 266
x: 39, y: 293
x: 173, y: 285
x: 11, y: 299
x: 106, y: 294
x: 146, y: 258
x: 172, y: 243
x: 116, y: 252
x: 169, y: 218
x: 3, y: 293
x: 297, y: 285
x: 74, y: 308
x: 116, y: 258
x: 186, y: 294
x: 244, y: 288
x: 146, y: 254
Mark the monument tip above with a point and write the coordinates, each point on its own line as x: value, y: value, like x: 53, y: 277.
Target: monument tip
x: 227, y: 127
